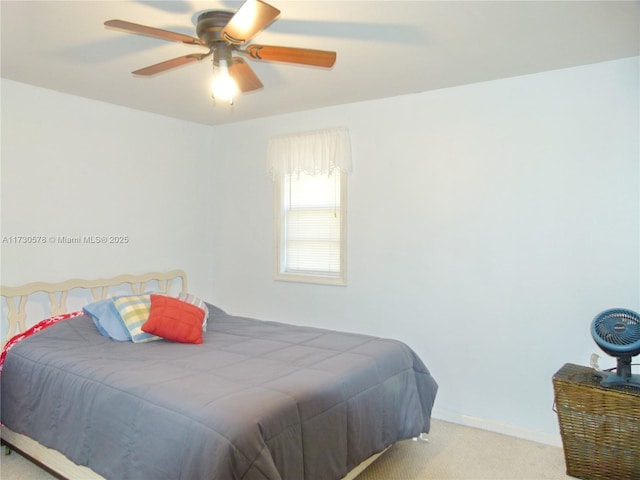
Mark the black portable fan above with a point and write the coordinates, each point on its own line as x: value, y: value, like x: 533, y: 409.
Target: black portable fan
x: 617, y: 333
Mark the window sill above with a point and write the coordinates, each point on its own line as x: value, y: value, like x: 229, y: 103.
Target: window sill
x: 316, y: 279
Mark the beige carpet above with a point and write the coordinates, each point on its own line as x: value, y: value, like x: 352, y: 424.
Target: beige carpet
x: 456, y: 452
x: 453, y: 452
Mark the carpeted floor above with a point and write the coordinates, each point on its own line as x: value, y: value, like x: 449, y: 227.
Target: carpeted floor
x: 456, y: 452
x: 453, y: 452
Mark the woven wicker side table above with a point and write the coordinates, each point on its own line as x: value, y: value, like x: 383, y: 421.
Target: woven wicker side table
x: 600, y: 427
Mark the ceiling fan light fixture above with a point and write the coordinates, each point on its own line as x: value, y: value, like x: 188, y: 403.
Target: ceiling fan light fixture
x: 222, y: 85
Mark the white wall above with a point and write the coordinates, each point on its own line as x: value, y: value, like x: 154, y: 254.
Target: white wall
x: 72, y: 166
x: 488, y: 225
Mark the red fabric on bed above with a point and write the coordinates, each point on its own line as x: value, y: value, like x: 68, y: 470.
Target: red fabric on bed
x: 41, y: 325
x: 175, y: 320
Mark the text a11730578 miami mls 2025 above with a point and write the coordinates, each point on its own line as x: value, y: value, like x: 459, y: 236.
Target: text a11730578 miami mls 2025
x: 75, y: 239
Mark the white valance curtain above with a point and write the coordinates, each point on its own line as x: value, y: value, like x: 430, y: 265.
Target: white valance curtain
x: 314, y: 153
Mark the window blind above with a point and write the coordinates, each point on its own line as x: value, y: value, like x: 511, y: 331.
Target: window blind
x: 312, y: 224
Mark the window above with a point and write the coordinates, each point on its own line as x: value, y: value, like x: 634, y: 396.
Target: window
x: 311, y: 227
x: 310, y: 173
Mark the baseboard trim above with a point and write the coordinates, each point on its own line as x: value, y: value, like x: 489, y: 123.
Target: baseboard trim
x: 513, y: 430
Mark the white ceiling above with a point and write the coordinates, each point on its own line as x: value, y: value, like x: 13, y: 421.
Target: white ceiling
x: 384, y: 49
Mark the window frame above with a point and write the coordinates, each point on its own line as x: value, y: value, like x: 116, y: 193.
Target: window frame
x: 280, y: 241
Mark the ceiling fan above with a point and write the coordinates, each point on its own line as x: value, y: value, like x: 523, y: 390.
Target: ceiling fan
x: 224, y: 33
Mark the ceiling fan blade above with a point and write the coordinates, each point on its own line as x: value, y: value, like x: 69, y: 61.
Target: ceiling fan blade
x: 169, y: 64
x: 304, y: 56
x: 153, y: 32
x: 244, y: 77
x: 252, y: 17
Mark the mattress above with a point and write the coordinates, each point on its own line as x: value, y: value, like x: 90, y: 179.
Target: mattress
x: 255, y: 400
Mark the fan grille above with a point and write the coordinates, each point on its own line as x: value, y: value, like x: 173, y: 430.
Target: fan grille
x: 612, y: 329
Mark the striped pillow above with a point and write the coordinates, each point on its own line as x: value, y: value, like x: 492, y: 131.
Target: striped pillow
x: 193, y: 300
x: 134, y: 311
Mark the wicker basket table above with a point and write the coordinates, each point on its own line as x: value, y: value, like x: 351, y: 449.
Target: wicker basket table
x: 600, y: 427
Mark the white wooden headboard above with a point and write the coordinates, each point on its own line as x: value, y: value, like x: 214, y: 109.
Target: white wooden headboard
x: 17, y: 297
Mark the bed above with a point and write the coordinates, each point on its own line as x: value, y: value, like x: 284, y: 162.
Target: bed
x: 255, y: 400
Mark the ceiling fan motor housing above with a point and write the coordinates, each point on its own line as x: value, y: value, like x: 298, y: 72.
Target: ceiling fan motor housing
x: 210, y: 26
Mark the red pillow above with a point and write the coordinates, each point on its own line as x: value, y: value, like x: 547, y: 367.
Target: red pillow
x: 174, y: 319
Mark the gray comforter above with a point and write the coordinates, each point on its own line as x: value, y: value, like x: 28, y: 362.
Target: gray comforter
x: 257, y: 400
